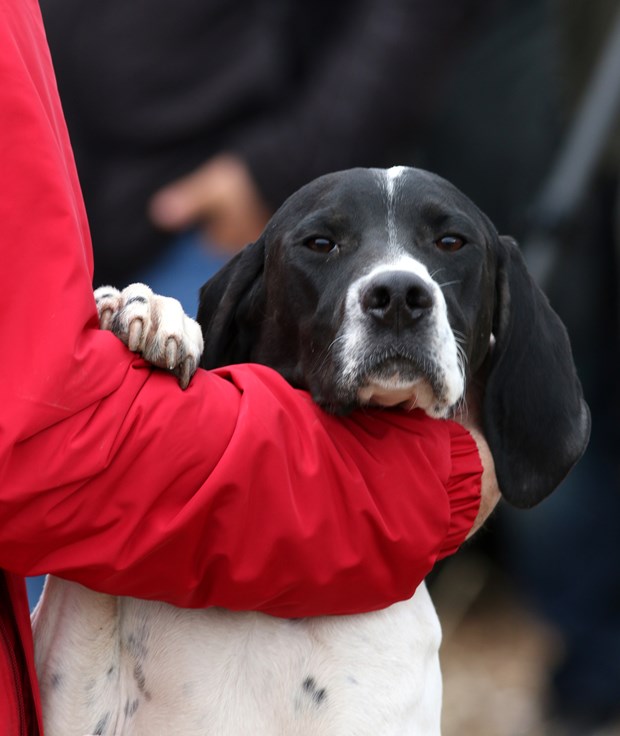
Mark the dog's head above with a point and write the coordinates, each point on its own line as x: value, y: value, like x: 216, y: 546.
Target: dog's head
x: 385, y: 287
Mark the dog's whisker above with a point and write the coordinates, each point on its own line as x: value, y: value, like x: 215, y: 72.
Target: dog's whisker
x: 325, y: 354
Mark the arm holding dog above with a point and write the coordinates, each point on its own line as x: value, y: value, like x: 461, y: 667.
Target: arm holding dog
x: 146, y: 323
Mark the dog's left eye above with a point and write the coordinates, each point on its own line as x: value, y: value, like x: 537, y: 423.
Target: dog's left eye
x: 450, y: 243
x: 320, y: 245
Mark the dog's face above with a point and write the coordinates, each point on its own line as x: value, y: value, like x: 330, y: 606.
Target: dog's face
x: 371, y: 290
x: 384, y: 287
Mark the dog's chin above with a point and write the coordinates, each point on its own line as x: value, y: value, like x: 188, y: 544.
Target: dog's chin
x: 404, y: 395
x: 392, y: 383
x: 404, y: 384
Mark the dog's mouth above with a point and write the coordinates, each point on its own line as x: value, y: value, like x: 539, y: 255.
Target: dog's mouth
x: 388, y: 376
x: 400, y: 379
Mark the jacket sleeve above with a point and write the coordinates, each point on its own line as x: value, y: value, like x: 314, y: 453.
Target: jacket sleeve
x: 239, y: 492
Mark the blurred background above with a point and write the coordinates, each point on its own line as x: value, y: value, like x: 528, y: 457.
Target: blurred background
x: 192, y: 121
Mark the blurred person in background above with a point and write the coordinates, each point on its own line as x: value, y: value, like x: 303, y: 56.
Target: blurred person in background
x: 206, y: 114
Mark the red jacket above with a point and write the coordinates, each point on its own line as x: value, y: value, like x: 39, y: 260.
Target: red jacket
x: 238, y: 492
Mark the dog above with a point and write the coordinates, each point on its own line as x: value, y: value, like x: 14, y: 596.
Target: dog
x: 367, y: 287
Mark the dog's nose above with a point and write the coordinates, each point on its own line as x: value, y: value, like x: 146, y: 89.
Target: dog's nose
x: 397, y: 299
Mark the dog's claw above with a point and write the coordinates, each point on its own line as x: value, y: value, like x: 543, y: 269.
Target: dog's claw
x: 171, y: 353
x: 135, y: 335
x: 186, y: 372
x: 105, y: 319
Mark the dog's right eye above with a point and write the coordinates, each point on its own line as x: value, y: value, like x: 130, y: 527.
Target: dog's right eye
x: 320, y: 245
x: 450, y: 243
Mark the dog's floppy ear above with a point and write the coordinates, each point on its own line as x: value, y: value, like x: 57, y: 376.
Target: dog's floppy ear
x: 535, y: 419
x: 231, y: 307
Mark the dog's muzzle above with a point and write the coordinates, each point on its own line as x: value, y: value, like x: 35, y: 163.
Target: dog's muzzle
x: 397, y: 346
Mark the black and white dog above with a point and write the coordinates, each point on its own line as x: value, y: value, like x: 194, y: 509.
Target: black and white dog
x: 367, y: 287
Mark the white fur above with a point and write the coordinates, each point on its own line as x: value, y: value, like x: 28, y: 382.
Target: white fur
x: 389, y: 181
x: 123, y: 666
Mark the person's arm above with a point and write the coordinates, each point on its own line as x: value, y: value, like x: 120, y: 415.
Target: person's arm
x: 237, y: 492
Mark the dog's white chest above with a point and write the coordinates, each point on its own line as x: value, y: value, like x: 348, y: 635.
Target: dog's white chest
x: 122, y: 666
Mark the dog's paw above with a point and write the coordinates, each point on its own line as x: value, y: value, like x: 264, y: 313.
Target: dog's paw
x: 154, y: 326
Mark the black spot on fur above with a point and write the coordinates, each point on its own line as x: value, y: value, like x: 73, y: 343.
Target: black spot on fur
x: 319, y: 695
x: 140, y: 679
x: 131, y: 706
x: 56, y: 680
x: 101, y: 726
x: 139, y: 299
x: 135, y: 645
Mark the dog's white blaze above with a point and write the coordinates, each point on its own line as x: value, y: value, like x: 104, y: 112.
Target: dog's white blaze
x: 389, y: 182
x: 442, y: 349
x: 392, y: 175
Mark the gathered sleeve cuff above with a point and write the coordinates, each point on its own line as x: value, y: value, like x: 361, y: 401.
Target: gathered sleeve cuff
x: 464, y: 488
